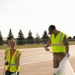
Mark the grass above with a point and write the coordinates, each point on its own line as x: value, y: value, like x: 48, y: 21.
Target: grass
x: 2, y: 47
x: 23, y: 46
x: 72, y: 42
x: 31, y: 46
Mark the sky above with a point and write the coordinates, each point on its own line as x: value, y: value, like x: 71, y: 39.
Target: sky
x: 36, y: 15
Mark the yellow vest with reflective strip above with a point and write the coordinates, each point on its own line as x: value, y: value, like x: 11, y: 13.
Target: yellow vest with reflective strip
x: 57, y: 43
x: 12, y: 62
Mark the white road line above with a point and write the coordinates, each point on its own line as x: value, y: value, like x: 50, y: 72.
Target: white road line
x: 31, y: 62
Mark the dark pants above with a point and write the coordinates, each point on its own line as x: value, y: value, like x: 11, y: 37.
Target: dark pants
x: 57, y: 57
x: 10, y: 73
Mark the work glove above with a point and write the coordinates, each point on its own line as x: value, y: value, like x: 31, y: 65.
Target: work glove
x: 46, y: 48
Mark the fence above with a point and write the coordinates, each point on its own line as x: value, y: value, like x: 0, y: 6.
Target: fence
x: 22, y: 42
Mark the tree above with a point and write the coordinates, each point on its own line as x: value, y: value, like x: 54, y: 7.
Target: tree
x: 37, y: 39
x: 45, y: 37
x: 10, y: 35
x: 73, y: 38
x: 1, y: 39
x: 30, y: 38
x: 69, y: 38
x: 20, y: 39
x: 37, y: 36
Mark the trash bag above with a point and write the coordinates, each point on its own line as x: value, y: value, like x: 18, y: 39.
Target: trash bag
x: 65, y: 67
x: 15, y: 73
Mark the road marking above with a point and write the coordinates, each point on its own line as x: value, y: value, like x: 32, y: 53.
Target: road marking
x: 32, y: 62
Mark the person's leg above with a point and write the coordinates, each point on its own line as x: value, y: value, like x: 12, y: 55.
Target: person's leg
x: 7, y: 73
x: 56, y: 60
x: 55, y: 64
x: 61, y: 56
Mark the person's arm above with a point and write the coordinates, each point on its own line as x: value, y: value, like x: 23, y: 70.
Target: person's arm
x: 18, y: 62
x: 5, y: 60
x: 47, y: 45
x: 66, y: 45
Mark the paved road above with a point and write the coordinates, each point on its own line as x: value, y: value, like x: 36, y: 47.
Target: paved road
x: 34, y: 55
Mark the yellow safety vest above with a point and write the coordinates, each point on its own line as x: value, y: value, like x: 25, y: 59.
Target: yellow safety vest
x: 12, y: 62
x: 57, y: 43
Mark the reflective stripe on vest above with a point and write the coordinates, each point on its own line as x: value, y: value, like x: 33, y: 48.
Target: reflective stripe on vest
x: 57, y: 44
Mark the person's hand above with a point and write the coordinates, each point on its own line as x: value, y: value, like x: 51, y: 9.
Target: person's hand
x: 6, y: 63
x: 46, y: 48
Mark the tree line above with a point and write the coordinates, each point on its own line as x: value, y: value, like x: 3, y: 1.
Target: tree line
x: 21, y: 40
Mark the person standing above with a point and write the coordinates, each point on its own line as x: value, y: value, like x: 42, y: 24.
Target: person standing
x: 12, y: 59
x: 60, y: 46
